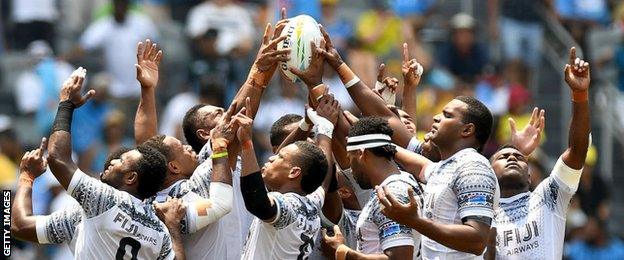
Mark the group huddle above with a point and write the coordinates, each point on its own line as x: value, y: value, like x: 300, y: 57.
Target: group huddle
x: 338, y: 186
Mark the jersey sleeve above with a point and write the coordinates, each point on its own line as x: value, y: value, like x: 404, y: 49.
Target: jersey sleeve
x: 59, y: 226
x: 285, y: 210
x: 94, y: 196
x: 475, y: 188
x: 391, y: 233
x: 200, y: 180
x: 166, y: 251
x: 317, y: 197
x: 557, y: 190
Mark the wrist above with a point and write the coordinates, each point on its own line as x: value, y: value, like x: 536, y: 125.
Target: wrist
x: 341, y: 252
x: 580, y: 96
x: 317, y: 92
x: 26, y: 179
x: 347, y: 76
x: 219, y: 145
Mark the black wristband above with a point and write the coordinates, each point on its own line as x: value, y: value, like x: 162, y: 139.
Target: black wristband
x: 62, y: 121
x: 255, y: 196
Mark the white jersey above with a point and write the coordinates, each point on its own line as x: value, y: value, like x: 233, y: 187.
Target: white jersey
x: 375, y: 232
x: 62, y: 226
x: 461, y: 186
x: 347, y: 223
x: 200, y: 242
x: 238, y: 221
x: 532, y: 225
x: 291, y: 235
x: 116, y: 224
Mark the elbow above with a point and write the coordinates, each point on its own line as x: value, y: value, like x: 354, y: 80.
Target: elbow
x: 478, y: 248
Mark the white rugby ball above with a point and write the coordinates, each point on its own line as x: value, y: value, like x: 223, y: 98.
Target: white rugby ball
x: 300, y: 31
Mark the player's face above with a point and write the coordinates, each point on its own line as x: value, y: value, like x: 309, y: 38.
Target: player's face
x: 510, y: 165
x: 358, y: 168
x: 448, y: 126
x: 118, y: 168
x: 184, y: 156
x: 210, y: 115
x: 277, y: 170
x: 407, y: 121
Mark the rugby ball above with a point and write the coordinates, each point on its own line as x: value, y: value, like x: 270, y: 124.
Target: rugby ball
x: 300, y: 31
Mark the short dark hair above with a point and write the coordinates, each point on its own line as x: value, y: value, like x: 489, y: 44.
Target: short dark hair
x: 278, y: 133
x: 190, y: 124
x: 157, y: 143
x: 375, y: 125
x: 479, y: 115
x: 507, y: 145
x: 313, y: 164
x: 152, y: 170
x: 116, y: 154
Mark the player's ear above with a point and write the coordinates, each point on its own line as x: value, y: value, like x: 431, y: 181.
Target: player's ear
x: 203, y: 134
x: 131, y: 178
x: 173, y: 167
x: 468, y: 130
x: 294, y: 172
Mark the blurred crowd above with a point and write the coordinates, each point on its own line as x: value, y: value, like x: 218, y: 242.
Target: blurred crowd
x: 208, y: 46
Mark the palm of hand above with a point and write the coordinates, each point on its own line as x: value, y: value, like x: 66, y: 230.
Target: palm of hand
x: 578, y: 81
x: 149, y: 73
x: 527, y: 139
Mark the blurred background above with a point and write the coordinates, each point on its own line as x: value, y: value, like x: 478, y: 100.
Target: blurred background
x: 508, y: 53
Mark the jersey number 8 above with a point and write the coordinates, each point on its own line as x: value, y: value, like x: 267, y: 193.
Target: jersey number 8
x: 134, y: 245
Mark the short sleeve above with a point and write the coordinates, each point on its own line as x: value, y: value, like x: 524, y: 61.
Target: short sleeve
x: 317, y: 197
x: 94, y: 196
x: 475, y: 188
x: 391, y: 233
x: 59, y: 226
x: 557, y: 190
x: 285, y: 210
x: 166, y: 251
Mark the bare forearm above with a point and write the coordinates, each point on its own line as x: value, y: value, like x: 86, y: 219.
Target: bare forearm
x: 332, y: 208
x: 490, y: 253
x: 339, y: 142
x: 372, y: 104
x: 412, y: 162
x: 355, y: 255
x: 459, y: 237
x: 146, y: 119
x: 325, y: 143
x: 297, y: 135
x: 59, y: 157
x: 23, y: 223
x: 221, y: 170
x: 176, y: 241
x: 249, y: 161
x: 409, y: 102
x: 254, y: 92
x: 578, y: 137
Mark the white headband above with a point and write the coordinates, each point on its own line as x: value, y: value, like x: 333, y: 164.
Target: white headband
x: 367, y: 141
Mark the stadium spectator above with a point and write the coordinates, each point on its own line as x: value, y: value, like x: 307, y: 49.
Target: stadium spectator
x: 595, y: 243
x: 463, y: 56
x: 33, y: 20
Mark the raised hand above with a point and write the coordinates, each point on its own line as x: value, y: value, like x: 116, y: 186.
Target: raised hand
x: 330, y: 53
x: 329, y: 244
x: 411, y: 69
x: 33, y: 162
x: 529, y: 138
x: 72, y: 88
x: 224, y: 128
x: 313, y: 75
x: 268, y: 55
x: 395, y: 210
x: 329, y: 108
x: 577, y: 73
x: 148, y: 61
x: 243, y: 119
x: 170, y: 212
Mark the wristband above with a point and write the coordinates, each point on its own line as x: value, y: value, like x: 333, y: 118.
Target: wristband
x: 347, y: 76
x: 247, y: 145
x: 323, y: 126
x: 219, y: 145
x: 219, y: 155
x: 26, y: 179
x: 303, y: 125
x: 580, y: 96
x: 317, y: 93
x: 341, y: 252
x: 62, y: 121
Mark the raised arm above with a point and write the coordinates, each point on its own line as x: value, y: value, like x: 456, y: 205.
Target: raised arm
x: 528, y: 139
x: 146, y: 120
x: 365, y: 98
x: 411, y: 70
x: 413, y: 163
x: 23, y: 223
x: 171, y: 213
x: 577, y: 75
x: 59, y: 156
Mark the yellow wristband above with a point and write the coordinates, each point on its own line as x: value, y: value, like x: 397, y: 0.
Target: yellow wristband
x: 341, y: 252
x: 219, y: 155
x: 219, y: 145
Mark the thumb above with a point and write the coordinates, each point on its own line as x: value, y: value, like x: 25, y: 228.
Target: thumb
x: 295, y: 71
x: 89, y: 94
x: 337, y: 230
x: 411, y: 195
x: 512, y: 124
x: 324, y: 233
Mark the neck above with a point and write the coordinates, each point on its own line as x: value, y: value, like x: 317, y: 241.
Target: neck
x: 511, y: 189
x: 132, y: 191
x: 507, y: 193
x: 171, y: 179
x: 380, y: 169
x: 291, y: 187
x: 453, y: 149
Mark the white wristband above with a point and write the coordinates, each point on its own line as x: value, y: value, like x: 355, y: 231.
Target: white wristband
x: 352, y: 82
x: 303, y: 125
x: 323, y: 126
